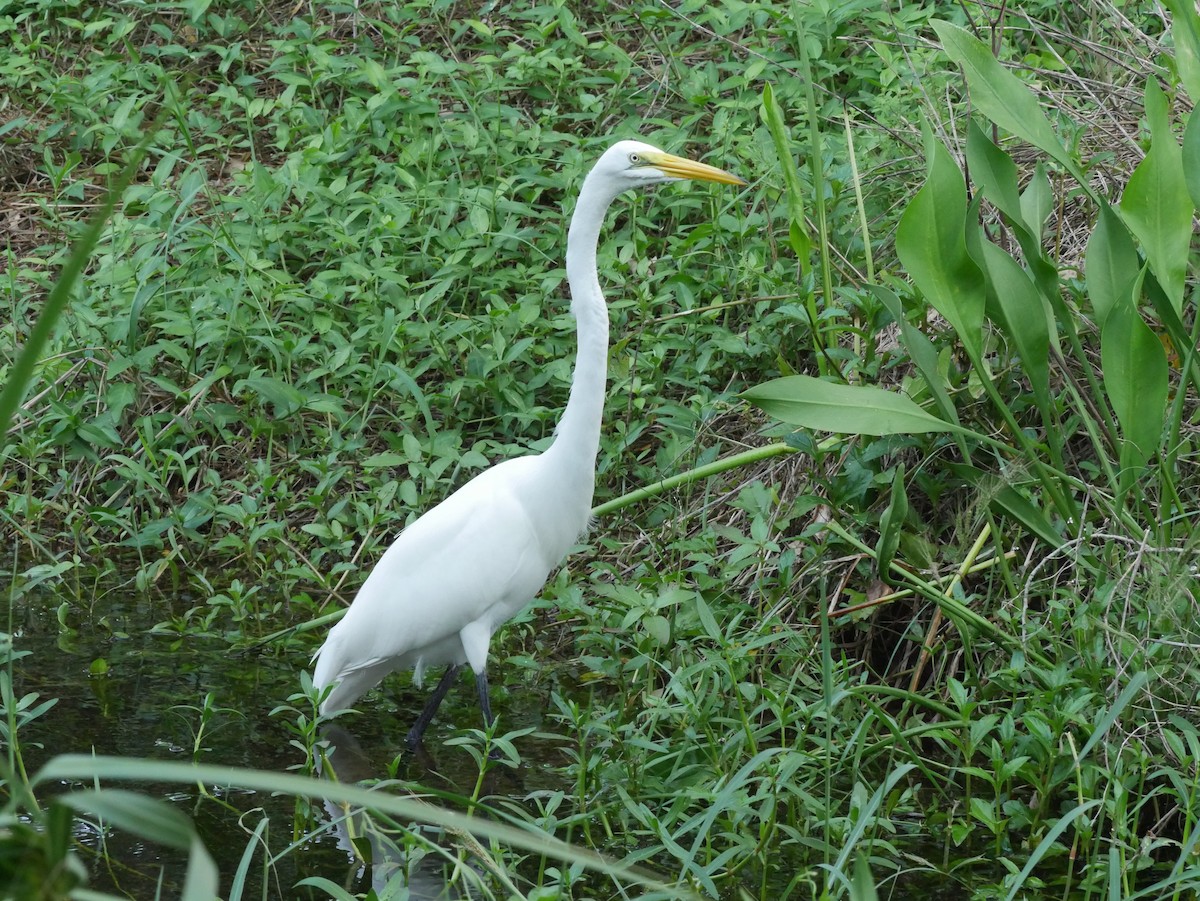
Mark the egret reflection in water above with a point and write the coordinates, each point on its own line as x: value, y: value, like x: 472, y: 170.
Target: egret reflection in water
x: 398, y: 857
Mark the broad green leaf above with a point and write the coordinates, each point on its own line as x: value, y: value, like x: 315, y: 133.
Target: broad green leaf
x: 863, y: 888
x: 922, y: 352
x: 1002, y: 97
x: 1014, y: 504
x: 1156, y: 205
x: 845, y: 409
x: 401, y: 380
x: 1010, y: 501
x: 1111, y: 264
x: 100, y: 434
x: 658, y: 628
x: 1037, y: 202
x: 994, y: 172
x: 1158, y: 111
x: 930, y: 243
x: 284, y: 399
x: 1135, y: 378
x: 1023, y: 315
x: 1185, y: 34
x: 1191, y: 158
x: 384, y: 460
x: 793, y: 188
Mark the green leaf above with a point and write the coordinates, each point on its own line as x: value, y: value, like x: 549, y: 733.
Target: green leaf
x: 794, y: 189
x: 1135, y: 378
x: 1037, y: 202
x: 1014, y: 504
x: 21, y: 371
x: 658, y: 628
x: 157, y: 821
x: 845, y: 409
x: 100, y: 434
x: 384, y: 460
x: 1191, y: 158
x: 118, y: 396
x: 1002, y: 97
x: 994, y: 172
x: 1132, y: 690
x: 863, y: 888
x: 90, y: 768
x: 1024, y: 316
x: 1185, y: 34
x: 922, y: 352
x: 931, y: 245
x: 1050, y: 841
x: 891, y: 524
x: 711, y: 627
x: 284, y: 398
x: 1156, y: 205
x: 1111, y: 264
x: 330, y: 888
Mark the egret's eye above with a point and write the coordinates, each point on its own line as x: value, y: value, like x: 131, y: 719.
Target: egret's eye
x: 634, y: 158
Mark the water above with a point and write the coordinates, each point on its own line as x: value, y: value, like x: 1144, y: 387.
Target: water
x: 122, y: 691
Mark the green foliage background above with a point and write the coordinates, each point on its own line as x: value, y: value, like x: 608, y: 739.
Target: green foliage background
x: 334, y: 291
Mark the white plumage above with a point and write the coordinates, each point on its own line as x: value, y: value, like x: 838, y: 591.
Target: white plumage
x: 472, y: 562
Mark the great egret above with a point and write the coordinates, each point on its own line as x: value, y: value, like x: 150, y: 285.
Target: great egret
x: 466, y: 566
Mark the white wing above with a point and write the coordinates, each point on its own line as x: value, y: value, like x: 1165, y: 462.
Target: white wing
x: 473, y: 560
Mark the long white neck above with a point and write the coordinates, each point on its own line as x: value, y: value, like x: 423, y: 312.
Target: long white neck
x: 577, y: 438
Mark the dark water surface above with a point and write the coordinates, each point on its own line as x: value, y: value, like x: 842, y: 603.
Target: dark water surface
x: 122, y: 691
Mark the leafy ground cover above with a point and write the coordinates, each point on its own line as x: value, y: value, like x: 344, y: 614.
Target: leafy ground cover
x: 946, y: 630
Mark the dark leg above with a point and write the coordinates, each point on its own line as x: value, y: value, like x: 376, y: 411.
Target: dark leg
x: 435, y: 701
x: 485, y: 703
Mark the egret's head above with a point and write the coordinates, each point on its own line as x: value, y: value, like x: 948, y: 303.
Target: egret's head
x: 632, y: 164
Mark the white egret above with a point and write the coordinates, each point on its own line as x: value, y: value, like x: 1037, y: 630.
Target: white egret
x: 463, y: 568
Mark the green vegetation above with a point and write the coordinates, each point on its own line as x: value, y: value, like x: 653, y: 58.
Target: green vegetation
x: 934, y: 632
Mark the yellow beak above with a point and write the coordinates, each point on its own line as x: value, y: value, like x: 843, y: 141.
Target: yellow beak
x: 679, y: 167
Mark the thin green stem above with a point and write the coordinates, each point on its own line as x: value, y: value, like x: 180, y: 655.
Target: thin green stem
x: 700, y: 473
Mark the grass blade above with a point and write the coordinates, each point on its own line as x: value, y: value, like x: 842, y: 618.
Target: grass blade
x: 158, y: 821
x: 88, y: 768
x: 13, y: 392
x: 1045, y: 845
x: 794, y: 190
